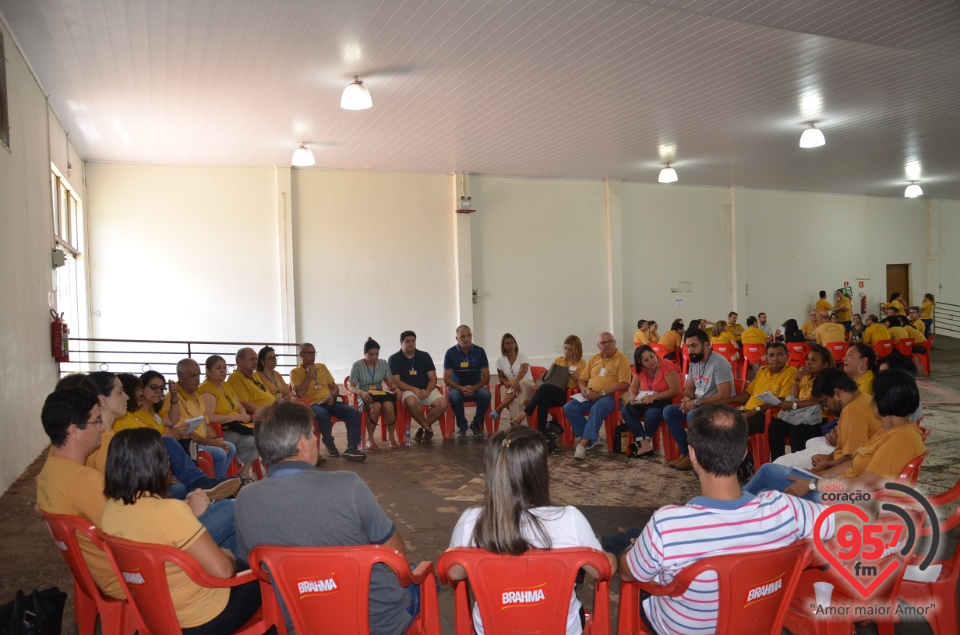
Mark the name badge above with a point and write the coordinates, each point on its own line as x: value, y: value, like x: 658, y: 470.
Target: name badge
x: 701, y: 389
x: 413, y: 373
x: 373, y: 386
x: 603, y: 372
x: 573, y: 369
x: 464, y: 365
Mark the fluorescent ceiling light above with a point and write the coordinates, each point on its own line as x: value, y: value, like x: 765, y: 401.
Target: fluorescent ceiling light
x: 356, y: 96
x: 812, y: 138
x: 302, y: 157
x: 913, y: 169
x: 913, y: 191
x: 668, y: 175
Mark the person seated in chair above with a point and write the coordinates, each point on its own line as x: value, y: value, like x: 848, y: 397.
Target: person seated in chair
x: 466, y: 374
x: 775, y: 378
x: 672, y: 340
x: 318, y: 509
x: 830, y: 330
x: 416, y: 376
x: 678, y: 536
x: 754, y: 334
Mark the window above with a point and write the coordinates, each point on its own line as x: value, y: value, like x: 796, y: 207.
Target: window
x: 70, y: 279
x: 4, y: 113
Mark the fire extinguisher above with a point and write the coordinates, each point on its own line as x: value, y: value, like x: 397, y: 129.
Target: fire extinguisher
x: 863, y: 303
x: 59, y: 337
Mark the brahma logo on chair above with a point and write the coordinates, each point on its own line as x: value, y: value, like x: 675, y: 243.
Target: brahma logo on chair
x: 318, y: 586
x: 133, y: 577
x: 763, y: 591
x: 513, y: 598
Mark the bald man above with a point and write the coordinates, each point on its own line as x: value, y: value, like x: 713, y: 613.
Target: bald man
x: 607, y: 372
x: 251, y: 392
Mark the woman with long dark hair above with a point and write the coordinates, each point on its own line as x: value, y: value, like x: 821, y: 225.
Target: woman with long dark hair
x: 655, y: 383
x: 367, y: 377
x: 113, y: 405
x: 139, y: 509
x: 517, y: 514
x: 268, y: 375
x: 860, y: 364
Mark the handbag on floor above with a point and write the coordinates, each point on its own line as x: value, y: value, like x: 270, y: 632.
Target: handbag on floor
x: 40, y: 613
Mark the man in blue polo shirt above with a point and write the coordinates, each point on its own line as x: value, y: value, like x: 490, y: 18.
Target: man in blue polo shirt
x: 466, y: 373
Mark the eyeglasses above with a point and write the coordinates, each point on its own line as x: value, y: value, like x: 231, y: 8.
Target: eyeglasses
x: 605, y: 342
x: 96, y: 422
x: 157, y: 387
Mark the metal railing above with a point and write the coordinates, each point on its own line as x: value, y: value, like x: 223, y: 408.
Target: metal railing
x: 88, y: 354
x: 947, y: 319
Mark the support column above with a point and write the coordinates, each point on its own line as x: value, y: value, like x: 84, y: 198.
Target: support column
x: 614, y: 237
x: 463, y: 252
x: 288, y: 299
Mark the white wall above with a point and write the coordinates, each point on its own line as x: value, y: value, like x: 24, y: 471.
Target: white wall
x: 539, y: 263
x: 373, y: 255
x: 184, y: 253
x: 27, y: 370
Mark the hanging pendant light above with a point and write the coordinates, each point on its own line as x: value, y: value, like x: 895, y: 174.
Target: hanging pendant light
x: 302, y: 157
x: 913, y: 190
x: 812, y: 138
x: 356, y: 96
x: 668, y: 175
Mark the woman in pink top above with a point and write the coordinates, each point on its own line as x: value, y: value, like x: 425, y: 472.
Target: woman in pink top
x: 655, y: 383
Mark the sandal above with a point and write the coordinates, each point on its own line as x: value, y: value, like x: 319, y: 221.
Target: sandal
x: 427, y: 435
x: 370, y: 445
x: 393, y: 444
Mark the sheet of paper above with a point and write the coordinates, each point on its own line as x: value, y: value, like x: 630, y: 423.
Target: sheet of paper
x: 579, y: 397
x: 642, y: 394
x: 769, y: 398
x: 191, y: 424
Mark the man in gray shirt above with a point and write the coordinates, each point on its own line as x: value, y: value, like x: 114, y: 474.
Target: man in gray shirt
x: 297, y: 505
x: 709, y: 380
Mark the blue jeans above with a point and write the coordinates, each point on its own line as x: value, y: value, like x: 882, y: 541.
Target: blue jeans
x: 598, y: 410
x: 480, y: 397
x: 349, y: 416
x: 221, y: 458
x: 674, y: 418
x: 652, y: 415
x: 190, y: 477
x: 218, y: 521
x: 772, y: 476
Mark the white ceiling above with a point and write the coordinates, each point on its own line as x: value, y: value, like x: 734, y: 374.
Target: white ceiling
x: 570, y: 88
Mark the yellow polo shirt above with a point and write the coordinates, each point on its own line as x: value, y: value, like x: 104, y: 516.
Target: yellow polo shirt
x: 191, y: 406
x: 653, y: 337
x: 897, y: 333
x: 778, y: 384
x: 736, y: 330
x: 915, y: 333
x: 926, y: 310
x: 828, y: 332
x: 603, y: 374
x: 823, y: 306
x: 865, y: 383
x: 845, y: 310
x: 808, y: 329
x: 640, y: 338
x: 753, y: 335
x: 725, y: 337
x: 139, y: 419
x: 888, y: 452
x: 318, y: 390
x: 875, y: 333
x: 857, y: 424
x: 671, y: 340
x: 250, y: 389
x: 895, y: 304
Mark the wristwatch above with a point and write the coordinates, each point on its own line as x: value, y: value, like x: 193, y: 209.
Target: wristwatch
x: 603, y: 393
x: 696, y: 402
x: 813, y: 484
x: 794, y: 405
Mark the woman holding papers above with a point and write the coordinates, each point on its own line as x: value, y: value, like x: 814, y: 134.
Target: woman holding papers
x: 223, y: 407
x: 801, y: 416
x: 367, y: 377
x: 655, y: 384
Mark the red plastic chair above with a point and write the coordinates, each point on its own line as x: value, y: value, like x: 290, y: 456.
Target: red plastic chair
x: 943, y: 590
x: 205, y: 463
x: 685, y: 359
x: 327, y: 589
x: 404, y: 418
x: 737, y: 575
x: 759, y: 443
x: 88, y: 600
x: 801, y: 620
x: 883, y: 348
x: 923, y: 359
x: 661, y: 350
x: 141, y: 569
x: 752, y: 354
x: 797, y: 353
x: 839, y: 349
x: 904, y: 346
x: 911, y: 473
x: 234, y: 468
x: 545, y: 578
x: 613, y: 420
x: 729, y: 352
x: 450, y: 421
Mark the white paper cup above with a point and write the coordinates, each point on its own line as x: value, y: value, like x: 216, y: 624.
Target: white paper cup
x: 824, y: 592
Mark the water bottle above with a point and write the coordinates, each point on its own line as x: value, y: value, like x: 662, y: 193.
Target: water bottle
x: 408, y: 440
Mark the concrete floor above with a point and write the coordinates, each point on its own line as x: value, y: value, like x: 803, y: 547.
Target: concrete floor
x: 425, y: 489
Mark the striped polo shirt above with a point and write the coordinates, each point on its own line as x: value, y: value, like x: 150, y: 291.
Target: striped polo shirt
x: 677, y: 537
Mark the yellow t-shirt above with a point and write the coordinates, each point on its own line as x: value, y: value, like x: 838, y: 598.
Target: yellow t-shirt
x: 250, y: 389
x: 139, y: 419
x: 653, y: 337
x: 915, y: 333
x: 888, y: 452
x: 603, y: 374
x: 875, y: 333
x: 318, y: 390
x: 581, y: 365
x: 895, y: 304
x: 170, y: 522
x: 725, y: 337
x: 671, y: 341
x: 808, y: 329
x: 66, y: 487
x: 897, y: 333
x: 845, y: 309
x: 865, y: 383
x: 98, y: 458
x: 917, y: 324
x: 828, y: 333
x: 736, y: 330
x: 778, y: 384
x: 753, y: 335
x: 857, y: 424
x: 823, y: 306
x: 926, y: 310
x: 640, y: 338
x: 275, y: 385
x: 227, y: 402
x: 191, y: 406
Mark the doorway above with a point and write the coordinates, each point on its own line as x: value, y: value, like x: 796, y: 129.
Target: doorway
x: 898, y: 279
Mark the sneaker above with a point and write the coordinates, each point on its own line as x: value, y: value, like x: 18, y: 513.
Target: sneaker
x: 592, y: 444
x: 477, y: 432
x: 226, y: 489
x: 418, y: 437
x: 461, y: 433
x: 332, y: 450
x: 683, y: 464
x: 353, y: 454
x: 580, y: 452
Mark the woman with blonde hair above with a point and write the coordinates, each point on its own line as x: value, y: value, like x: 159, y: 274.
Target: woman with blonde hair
x: 552, y: 389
